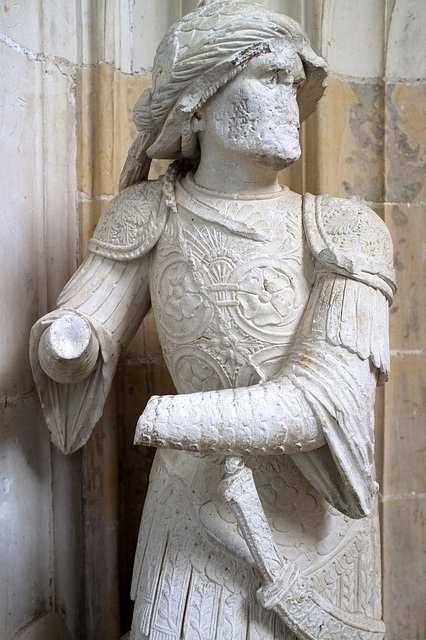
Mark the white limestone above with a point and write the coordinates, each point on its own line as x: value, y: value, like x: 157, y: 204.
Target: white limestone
x: 407, y: 27
x: 68, y: 349
x: 272, y: 314
x: 345, y: 32
x: 37, y: 219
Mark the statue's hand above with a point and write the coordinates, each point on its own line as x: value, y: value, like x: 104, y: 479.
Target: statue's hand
x: 68, y: 349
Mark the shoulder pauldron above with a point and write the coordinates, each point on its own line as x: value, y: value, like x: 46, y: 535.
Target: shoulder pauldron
x: 349, y: 238
x: 132, y: 222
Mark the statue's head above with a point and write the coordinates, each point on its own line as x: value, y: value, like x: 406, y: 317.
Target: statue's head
x: 201, y: 54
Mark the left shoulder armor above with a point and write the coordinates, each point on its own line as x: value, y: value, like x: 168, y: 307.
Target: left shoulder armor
x: 349, y: 238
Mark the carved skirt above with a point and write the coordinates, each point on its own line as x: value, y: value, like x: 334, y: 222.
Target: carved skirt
x: 189, y: 584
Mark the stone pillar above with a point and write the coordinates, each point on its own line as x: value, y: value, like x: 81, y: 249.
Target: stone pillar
x: 40, y: 504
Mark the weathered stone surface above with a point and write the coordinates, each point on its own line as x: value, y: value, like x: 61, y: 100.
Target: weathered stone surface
x: 405, y: 58
x: 37, y: 255
x: 96, y: 133
x: 127, y: 89
x: 405, y: 395
x: 353, y: 41
x: 25, y: 509
x: 350, y: 122
x: 407, y: 223
x: 405, y: 142
x: 105, y: 96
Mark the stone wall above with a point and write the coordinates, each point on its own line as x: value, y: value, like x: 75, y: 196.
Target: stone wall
x: 373, y: 145
x: 40, y: 492
x: 71, y: 73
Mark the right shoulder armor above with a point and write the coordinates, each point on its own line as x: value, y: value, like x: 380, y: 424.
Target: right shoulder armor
x: 132, y: 222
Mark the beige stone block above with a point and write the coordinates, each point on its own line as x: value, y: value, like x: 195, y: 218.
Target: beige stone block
x: 407, y: 224
x: 127, y: 89
x: 404, y: 434
x: 95, y: 97
x: 406, y: 142
x: 404, y: 568
x: 106, y: 98
x: 345, y: 154
x: 98, y: 180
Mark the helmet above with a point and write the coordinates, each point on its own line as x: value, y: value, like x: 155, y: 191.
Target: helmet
x: 199, y: 54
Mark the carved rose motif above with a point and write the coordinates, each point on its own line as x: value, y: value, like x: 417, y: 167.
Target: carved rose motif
x: 266, y: 296
x: 179, y: 293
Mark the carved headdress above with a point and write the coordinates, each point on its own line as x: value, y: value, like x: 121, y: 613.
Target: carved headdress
x: 199, y: 54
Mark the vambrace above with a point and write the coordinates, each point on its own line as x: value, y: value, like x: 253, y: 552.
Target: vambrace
x: 270, y: 418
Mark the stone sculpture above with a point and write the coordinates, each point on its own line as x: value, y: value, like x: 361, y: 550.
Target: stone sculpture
x: 272, y: 312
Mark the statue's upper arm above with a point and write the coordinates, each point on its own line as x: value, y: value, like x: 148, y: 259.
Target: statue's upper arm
x: 111, y: 286
x: 356, y: 281
x: 349, y: 238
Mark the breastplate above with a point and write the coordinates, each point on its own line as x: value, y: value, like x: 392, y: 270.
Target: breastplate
x: 229, y: 283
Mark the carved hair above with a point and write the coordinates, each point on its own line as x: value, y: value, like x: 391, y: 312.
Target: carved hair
x: 198, y: 55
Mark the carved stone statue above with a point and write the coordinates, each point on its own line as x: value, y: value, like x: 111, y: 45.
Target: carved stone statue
x: 272, y: 312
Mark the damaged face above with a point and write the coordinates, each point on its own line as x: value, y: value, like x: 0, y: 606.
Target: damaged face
x: 256, y: 114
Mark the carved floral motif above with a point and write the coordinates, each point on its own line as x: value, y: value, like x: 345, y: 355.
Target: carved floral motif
x: 266, y: 296
x: 179, y: 293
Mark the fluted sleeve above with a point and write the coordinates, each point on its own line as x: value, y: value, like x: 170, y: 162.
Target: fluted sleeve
x: 113, y: 297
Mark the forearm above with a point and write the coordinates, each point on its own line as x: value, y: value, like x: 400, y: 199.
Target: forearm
x: 324, y: 393
x: 263, y: 419
x: 313, y: 395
